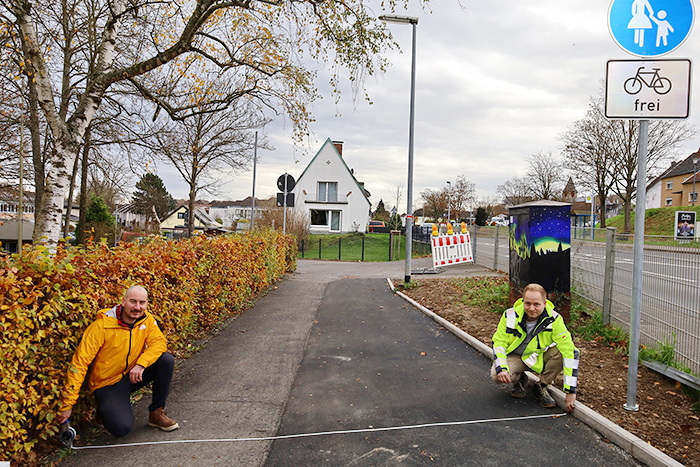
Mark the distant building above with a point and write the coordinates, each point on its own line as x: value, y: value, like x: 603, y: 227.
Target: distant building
x: 9, y: 235
x: 676, y: 185
x: 9, y: 204
x: 231, y: 212
x: 174, y: 225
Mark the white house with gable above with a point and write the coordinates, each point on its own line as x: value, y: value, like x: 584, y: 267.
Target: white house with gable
x: 330, y: 194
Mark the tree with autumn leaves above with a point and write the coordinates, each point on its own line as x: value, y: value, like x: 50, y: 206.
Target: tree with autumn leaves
x: 183, y: 58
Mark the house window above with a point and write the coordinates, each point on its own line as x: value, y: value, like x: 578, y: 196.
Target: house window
x: 330, y: 219
x: 327, y: 192
x: 182, y: 215
x: 692, y: 197
x: 319, y: 217
x: 669, y: 185
x: 669, y: 201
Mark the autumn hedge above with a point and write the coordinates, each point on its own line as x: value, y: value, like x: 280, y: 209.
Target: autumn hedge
x: 48, y: 300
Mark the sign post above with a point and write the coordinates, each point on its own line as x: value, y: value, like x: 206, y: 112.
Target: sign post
x: 638, y: 89
x: 285, y: 183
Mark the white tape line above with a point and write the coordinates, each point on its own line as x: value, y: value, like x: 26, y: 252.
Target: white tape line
x: 322, y: 433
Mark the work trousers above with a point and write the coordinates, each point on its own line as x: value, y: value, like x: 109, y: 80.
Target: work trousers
x: 114, y: 406
x: 553, y: 366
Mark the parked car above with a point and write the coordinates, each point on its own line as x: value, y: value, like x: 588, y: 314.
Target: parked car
x: 374, y: 224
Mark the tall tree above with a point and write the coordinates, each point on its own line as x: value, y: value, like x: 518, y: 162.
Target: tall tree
x: 612, y: 146
x: 545, y: 176
x: 589, y: 156
x: 203, y: 146
x: 99, y: 219
x: 381, y: 213
x: 515, y: 191
x: 151, y: 198
x: 186, y: 57
x: 462, y: 197
x: 459, y: 198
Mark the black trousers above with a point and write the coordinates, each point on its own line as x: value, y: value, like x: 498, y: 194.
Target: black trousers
x: 113, y: 403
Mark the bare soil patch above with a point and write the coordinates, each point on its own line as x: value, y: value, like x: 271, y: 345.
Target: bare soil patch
x: 665, y: 418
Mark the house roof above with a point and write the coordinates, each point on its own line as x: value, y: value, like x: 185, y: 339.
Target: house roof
x: 8, y: 230
x: 682, y: 167
x: 360, y: 185
x: 200, y: 214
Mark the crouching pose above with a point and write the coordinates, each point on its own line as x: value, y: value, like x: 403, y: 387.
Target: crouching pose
x: 531, y: 336
x: 124, y: 351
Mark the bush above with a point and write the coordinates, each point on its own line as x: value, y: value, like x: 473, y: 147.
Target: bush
x: 47, y: 301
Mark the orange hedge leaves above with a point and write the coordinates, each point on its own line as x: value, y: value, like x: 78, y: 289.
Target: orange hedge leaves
x: 47, y: 301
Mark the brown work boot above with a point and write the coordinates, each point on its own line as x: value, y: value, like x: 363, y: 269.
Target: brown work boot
x: 159, y: 419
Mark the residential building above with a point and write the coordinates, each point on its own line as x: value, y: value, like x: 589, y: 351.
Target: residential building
x: 174, y: 225
x: 677, y: 185
x: 328, y: 192
x: 9, y: 235
x: 9, y: 204
x: 230, y: 212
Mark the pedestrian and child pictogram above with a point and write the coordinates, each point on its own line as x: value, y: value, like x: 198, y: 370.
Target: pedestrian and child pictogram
x: 650, y: 28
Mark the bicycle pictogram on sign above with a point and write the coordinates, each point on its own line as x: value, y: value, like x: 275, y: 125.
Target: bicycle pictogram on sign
x: 651, y: 79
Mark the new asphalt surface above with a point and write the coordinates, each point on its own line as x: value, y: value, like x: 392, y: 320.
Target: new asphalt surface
x: 341, y: 371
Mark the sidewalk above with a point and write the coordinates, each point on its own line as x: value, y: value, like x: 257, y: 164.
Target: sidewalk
x: 332, y: 348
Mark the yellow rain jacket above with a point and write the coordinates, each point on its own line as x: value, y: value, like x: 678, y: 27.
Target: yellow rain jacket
x: 550, y: 331
x: 109, y: 350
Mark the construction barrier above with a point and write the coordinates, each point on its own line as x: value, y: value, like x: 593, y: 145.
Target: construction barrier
x: 451, y: 249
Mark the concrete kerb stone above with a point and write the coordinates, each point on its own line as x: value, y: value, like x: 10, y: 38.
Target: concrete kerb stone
x: 638, y: 448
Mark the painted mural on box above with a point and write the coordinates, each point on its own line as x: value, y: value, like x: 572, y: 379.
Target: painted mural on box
x: 540, y: 247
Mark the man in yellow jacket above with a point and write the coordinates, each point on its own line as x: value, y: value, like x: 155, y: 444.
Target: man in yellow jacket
x: 532, y: 336
x: 123, y: 350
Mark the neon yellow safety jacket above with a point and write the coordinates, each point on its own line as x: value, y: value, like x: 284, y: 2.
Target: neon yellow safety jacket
x: 549, y: 331
x: 109, y: 350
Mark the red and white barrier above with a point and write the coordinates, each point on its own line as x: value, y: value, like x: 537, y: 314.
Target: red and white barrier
x: 451, y: 249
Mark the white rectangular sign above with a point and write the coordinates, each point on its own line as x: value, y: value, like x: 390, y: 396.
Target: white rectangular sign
x: 647, y: 89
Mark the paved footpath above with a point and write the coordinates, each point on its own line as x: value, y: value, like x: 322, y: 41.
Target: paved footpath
x: 332, y: 349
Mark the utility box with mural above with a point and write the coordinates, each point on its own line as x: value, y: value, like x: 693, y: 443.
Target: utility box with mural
x: 540, y: 251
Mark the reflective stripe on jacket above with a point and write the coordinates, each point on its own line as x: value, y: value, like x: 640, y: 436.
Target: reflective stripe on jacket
x: 550, y: 331
x: 110, y: 350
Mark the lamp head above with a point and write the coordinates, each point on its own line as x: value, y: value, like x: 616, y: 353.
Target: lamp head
x: 399, y: 19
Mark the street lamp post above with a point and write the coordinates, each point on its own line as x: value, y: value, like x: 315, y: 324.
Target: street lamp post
x: 413, y: 21
x: 449, y: 198
x: 695, y: 174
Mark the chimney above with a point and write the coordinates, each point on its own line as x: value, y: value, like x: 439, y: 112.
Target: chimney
x: 338, y: 147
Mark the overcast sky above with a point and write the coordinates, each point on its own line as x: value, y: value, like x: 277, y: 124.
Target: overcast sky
x: 496, y: 82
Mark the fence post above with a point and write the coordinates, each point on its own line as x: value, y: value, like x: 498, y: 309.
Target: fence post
x: 302, y: 249
x: 340, y: 248
x: 319, y: 248
x: 473, y: 239
x: 363, y: 248
x: 495, y: 250
x: 609, y: 273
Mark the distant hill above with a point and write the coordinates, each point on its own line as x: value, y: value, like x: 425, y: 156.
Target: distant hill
x: 658, y: 221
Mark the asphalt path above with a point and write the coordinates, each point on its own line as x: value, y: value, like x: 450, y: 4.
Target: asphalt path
x: 332, y: 349
x: 373, y: 361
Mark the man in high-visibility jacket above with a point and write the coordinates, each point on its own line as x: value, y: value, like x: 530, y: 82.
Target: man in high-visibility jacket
x: 532, y: 336
x: 124, y: 350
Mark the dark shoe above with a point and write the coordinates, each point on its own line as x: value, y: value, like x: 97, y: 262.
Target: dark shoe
x: 518, y: 389
x: 542, y: 396
x: 159, y: 419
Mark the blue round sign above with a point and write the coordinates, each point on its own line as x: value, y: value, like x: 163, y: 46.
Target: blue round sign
x: 650, y: 28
